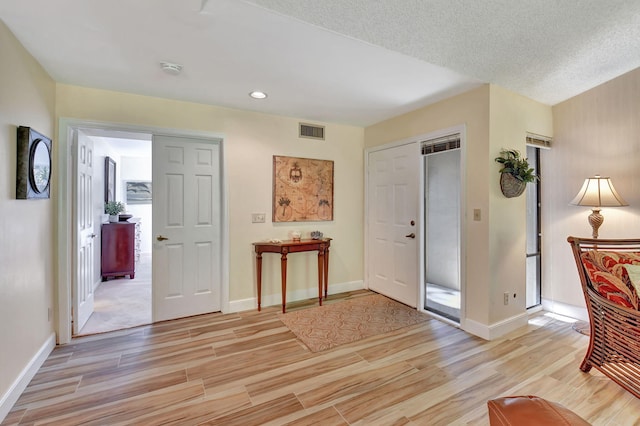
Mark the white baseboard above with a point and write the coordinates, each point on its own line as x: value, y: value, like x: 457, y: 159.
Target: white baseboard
x: 498, y: 329
x: 292, y: 296
x: 571, y: 311
x: 21, y: 382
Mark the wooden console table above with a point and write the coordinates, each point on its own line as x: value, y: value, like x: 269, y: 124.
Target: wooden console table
x: 290, y: 246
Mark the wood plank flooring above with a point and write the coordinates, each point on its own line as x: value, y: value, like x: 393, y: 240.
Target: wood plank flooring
x: 248, y: 369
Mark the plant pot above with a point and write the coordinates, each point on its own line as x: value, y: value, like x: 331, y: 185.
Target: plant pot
x: 510, y: 186
x: 114, y: 218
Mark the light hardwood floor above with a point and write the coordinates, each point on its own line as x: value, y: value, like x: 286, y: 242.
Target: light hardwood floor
x: 248, y: 369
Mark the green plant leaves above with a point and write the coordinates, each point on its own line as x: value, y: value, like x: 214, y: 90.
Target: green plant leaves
x: 517, y: 166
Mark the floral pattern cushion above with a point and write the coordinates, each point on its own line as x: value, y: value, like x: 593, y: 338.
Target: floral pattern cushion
x: 609, y: 277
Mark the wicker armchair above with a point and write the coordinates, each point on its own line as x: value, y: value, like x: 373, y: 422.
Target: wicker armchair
x: 612, y: 303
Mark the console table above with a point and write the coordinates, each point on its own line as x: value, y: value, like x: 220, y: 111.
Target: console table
x: 290, y: 246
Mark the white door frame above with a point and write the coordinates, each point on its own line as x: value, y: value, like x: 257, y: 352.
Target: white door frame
x: 64, y: 196
x: 462, y: 130
x: 421, y: 212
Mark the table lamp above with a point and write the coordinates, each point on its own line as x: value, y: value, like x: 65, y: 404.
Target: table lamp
x: 597, y: 192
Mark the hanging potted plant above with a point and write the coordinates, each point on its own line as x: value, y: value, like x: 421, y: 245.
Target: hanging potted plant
x: 515, y: 173
x: 113, y: 209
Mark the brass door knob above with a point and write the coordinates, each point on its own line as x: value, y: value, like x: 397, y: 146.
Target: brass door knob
x: 161, y: 238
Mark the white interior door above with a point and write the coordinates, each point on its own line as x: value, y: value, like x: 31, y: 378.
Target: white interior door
x: 85, y: 232
x: 186, y: 227
x: 392, y: 264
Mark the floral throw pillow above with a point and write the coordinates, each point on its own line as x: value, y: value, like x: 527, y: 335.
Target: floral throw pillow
x: 610, y: 278
x: 634, y: 276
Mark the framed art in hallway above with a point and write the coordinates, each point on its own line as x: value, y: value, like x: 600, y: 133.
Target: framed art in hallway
x: 109, y: 179
x: 138, y: 191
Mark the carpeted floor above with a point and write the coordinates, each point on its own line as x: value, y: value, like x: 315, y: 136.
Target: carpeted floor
x: 325, y: 327
x: 122, y: 303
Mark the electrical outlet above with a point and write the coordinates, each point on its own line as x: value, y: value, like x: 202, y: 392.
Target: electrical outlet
x: 476, y: 215
x: 506, y: 298
x: 257, y: 217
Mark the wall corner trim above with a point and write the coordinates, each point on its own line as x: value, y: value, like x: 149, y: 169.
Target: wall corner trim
x: 565, y: 309
x: 496, y: 330
x: 20, y: 384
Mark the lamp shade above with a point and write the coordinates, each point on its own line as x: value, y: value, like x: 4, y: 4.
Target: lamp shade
x: 598, y: 192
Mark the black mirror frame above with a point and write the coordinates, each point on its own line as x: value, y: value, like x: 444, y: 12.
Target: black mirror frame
x: 28, y: 142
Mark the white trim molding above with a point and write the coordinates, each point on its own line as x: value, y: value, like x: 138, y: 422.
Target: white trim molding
x: 496, y: 330
x: 565, y: 309
x: 20, y: 384
x: 292, y: 296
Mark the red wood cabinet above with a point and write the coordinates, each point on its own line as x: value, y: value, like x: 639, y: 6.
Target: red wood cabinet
x: 118, y: 250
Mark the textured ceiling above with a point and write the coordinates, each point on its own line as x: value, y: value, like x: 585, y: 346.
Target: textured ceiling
x: 547, y: 50
x: 354, y: 62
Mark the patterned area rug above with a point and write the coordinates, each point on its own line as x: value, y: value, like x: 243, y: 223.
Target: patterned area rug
x: 325, y: 327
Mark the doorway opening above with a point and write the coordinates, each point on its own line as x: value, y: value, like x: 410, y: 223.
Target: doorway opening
x: 534, y: 233
x: 442, y: 235
x: 202, y: 169
x: 121, y: 165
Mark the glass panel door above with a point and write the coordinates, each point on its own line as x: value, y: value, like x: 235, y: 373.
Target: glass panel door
x: 442, y: 233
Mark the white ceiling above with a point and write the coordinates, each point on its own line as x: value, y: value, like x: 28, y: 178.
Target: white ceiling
x: 346, y: 61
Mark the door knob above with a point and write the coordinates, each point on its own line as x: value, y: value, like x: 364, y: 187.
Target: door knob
x: 411, y: 235
x: 161, y: 238
x: 92, y: 236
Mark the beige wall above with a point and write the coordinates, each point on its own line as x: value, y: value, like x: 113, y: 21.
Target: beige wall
x: 27, y: 227
x: 494, y: 247
x: 512, y: 116
x: 250, y: 141
x: 472, y: 110
x: 596, y: 132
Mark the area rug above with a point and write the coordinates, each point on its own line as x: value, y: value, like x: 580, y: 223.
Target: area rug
x: 328, y: 326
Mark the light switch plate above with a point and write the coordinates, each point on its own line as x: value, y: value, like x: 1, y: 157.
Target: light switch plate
x: 257, y: 217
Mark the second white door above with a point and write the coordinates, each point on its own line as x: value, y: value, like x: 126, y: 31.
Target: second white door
x: 392, y: 264
x: 83, y: 296
x: 186, y: 227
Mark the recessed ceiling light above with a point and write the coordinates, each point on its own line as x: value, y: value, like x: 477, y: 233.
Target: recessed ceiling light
x: 171, y: 68
x: 256, y: 94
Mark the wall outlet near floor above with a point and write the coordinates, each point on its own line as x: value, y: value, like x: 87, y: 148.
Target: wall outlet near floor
x: 506, y: 298
x: 257, y: 217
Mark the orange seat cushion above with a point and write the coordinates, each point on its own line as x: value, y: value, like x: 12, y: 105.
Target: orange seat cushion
x: 530, y: 410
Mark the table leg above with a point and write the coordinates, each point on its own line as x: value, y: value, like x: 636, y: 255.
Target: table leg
x: 326, y: 272
x: 320, y: 271
x: 283, y: 268
x: 259, y: 275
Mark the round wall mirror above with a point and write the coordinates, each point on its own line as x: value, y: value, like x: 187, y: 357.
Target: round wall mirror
x: 39, y: 166
x: 33, y: 164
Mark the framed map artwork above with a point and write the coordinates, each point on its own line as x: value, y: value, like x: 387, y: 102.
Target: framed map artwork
x: 302, y: 189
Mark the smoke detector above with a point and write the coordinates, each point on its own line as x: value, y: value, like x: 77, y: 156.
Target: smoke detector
x: 171, y: 68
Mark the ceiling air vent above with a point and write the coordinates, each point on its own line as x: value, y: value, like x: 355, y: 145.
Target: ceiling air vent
x: 311, y: 131
x: 539, y: 140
